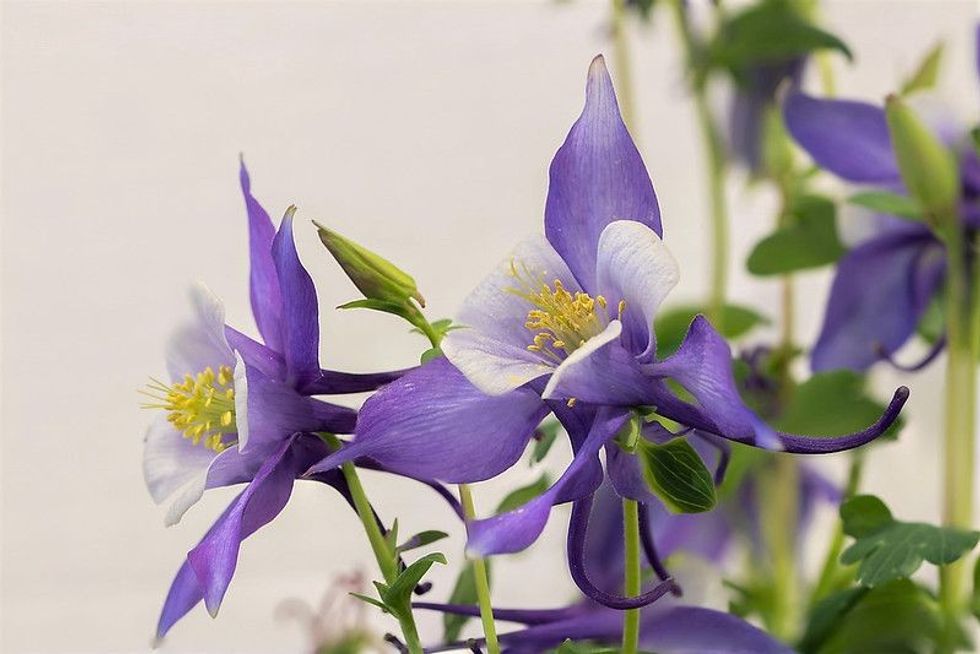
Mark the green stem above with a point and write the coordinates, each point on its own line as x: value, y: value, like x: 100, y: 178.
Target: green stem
x: 781, y: 513
x: 963, y: 341
x: 715, y: 153
x: 631, y: 535
x: 382, y: 552
x: 830, y: 570
x: 480, y: 577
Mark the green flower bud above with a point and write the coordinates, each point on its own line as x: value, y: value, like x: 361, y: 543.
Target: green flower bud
x: 928, y: 168
x: 374, y: 276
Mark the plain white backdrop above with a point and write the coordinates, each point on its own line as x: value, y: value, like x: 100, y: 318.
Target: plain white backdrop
x: 423, y: 130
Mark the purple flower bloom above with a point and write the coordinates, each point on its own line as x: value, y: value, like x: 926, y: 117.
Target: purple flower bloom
x: 238, y: 410
x: 565, y: 325
x: 884, y: 285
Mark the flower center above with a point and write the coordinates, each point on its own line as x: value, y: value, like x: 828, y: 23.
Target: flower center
x: 202, y: 406
x: 560, y: 320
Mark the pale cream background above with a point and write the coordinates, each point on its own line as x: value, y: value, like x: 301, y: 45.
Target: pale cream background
x: 423, y: 130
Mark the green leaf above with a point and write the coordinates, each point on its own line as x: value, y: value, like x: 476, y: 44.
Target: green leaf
x: 926, y: 74
x: 932, y: 325
x: 571, y: 647
x: 398, y: 596
x: 888, y: 549
x: 770, y: 32
x: 371, y: 601
x: 671, y: 326
x: 975, y: 598
x: 831, y: 404
x: 422, y: 539
x: 678, y: 476
x: 809, y: 241
x: 521, y: 496
x: 896, y: 618
x: 825, y: 616
x: 890, y: 203
x: 863, y: 515
x: 464, y: 592
x: 545, y: 437
x: 391, y: 536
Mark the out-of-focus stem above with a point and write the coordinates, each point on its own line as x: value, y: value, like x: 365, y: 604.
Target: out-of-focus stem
x: 631, y: 536
x: 623, y: 67
x: 714, y: 148
x: 963, y: 343
x: 480, y: 577
x: 831, y: 564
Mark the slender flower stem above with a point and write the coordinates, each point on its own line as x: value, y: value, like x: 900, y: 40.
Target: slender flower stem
x: 830, y: 569
x: 382, y: 552
x: 717, y: 166
x: 963, y: 338
x: 480, y: 577
x: 631, y: 535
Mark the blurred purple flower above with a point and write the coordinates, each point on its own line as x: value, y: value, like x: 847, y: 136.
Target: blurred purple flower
x: 671, y: 626
x: 884, y: 285
x: 755, y: 93
x: 564, y: 325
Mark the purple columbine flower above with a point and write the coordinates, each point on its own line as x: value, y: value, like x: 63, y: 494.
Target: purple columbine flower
x: 884, y: 285
x: 674, y: 625
x: 564, y: 325
x: 238, y: 410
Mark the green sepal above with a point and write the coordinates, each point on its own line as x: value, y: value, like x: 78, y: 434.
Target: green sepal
x: 373, y: 275
x: 888, y: 549
x: 569, y: 646
x: 926, y: 73
x: 676, y: 474
x: 928, y: 169
x: 809, y: 240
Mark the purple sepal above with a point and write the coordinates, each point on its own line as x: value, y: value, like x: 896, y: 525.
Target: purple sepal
x: 263, y: 280
x: 516, y: 530
x: 596, y: 177
x: 848, y: 138
x: 433, y: 424
x: 300, y: 327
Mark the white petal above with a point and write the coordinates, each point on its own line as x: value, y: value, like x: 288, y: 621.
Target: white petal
x: 494, y: 367
x: 170, y: 460
x: 200, y: 342
x: 634, y: 265
x: 241, y: 401
x: 492, y: 352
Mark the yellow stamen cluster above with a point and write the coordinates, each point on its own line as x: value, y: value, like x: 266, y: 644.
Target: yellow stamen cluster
x: 202, y: 406
x: 561, y: 321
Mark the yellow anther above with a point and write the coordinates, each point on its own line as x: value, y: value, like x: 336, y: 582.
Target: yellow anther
x: 202, y: 406
x: 571, y: 402
x: 621, y: 308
